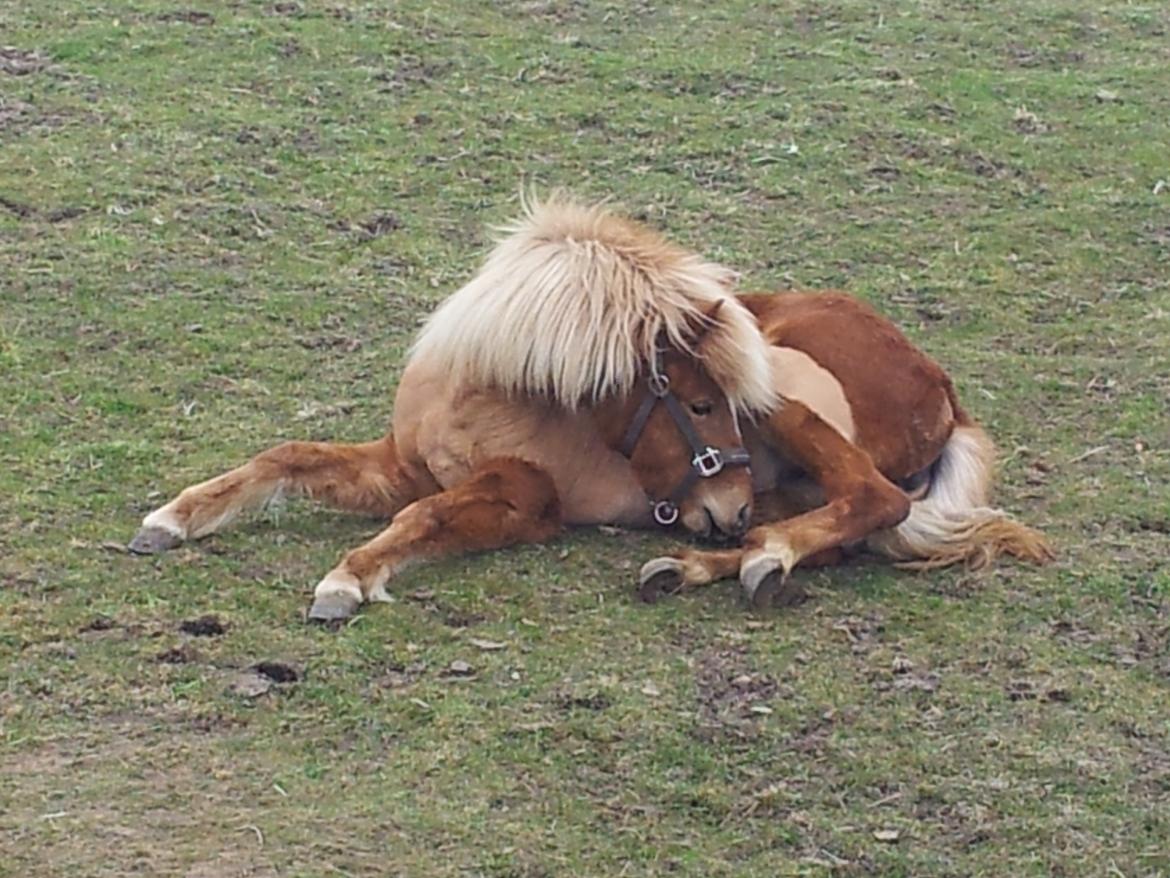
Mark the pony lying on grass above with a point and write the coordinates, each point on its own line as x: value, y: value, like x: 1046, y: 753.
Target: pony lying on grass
x: 594, y: 373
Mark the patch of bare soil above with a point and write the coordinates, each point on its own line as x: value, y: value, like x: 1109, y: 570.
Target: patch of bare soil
x: 12, y: 111
x: 21, y: 62
x: 209, y: 625
x: 594, y: 701
x: 182, y: 654
x: 188, y: 16
x: 732, y: 694
x: 411, y: 72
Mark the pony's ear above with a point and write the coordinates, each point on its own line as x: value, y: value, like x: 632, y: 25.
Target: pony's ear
x: 702, y: 322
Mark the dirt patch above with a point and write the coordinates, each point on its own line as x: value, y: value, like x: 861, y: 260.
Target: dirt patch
x: 183, y: 654
x: 21, y: 62
x: 188, y: 16
x: 277, y: 672
x: 203, y: 626
x: 400, y: 676
x: 594, y: 701
x: 861, y: 632
x: 260, y: 678
x: 28, y: 212
x: 411, y: 71
x: 732, y: 694
x: 98, y: 623
x: 12, y: 111
x: 379, y: 224
x: 453, y: 617
x: 1031, y: 690
x: 286, y: 10
x: 16, y: 208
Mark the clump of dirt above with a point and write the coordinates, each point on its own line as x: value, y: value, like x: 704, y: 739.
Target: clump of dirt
x: 183, y: 654
x: 594, y: 701
x: 379, y: 224
x: 204, y: 626
x: 277, y: 672
x: 261, y: 677
x: 99, y: 623
x: 454, y: 618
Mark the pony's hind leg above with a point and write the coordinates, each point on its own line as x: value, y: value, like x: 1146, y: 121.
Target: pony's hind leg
x: 363, y: 478
x: 504, y: 501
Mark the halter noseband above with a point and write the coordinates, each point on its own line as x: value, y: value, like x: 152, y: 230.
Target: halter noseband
x: 707, y: 461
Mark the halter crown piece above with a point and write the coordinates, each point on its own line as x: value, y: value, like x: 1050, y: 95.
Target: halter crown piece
x: 707, y: 461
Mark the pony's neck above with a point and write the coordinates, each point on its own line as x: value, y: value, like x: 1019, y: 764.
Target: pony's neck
x: 613, y: 416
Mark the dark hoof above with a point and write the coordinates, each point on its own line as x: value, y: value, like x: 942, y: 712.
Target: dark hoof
x: 659, y: 578
x: 152, y: 540
x: 332, y: 610
x: 777, y: 589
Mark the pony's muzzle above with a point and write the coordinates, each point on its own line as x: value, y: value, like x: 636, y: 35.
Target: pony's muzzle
x: 723, y: 527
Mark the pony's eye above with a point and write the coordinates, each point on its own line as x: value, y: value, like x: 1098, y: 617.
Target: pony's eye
x: 702, y: 407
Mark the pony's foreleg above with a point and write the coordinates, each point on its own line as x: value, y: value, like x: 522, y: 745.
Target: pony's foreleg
x: 690, y: 568
x: 362, y: 478
x: 504, y: 501
x: 693, y: 568
x: 859, y: 501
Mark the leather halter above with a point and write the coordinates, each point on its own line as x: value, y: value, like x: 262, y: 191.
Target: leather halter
x: 707, y: 461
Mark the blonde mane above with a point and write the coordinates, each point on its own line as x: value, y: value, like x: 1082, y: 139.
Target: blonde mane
x: 571, y: 303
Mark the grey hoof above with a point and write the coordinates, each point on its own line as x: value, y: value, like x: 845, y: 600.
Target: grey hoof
x: 766, y: 584
x: 152, y: 540
x: 776, y: 589
x: 332, y: 609
x: 658, y: 578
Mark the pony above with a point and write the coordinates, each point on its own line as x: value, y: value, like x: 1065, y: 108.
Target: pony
x: 592, y: 372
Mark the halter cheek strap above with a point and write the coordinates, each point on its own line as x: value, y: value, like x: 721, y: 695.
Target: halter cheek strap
x: 706, y: 460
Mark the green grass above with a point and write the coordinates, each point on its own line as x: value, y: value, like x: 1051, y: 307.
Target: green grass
x: 196, y: 261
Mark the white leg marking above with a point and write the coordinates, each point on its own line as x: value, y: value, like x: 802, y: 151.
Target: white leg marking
x: 164, y: 518
x: 340, y: 583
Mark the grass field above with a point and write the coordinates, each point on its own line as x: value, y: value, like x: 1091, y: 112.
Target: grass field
x: 221, y: 224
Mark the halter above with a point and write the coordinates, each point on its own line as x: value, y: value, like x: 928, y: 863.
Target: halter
x: 707, y: 461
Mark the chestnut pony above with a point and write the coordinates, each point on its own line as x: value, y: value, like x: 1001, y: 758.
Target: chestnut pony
x: 592, y: 372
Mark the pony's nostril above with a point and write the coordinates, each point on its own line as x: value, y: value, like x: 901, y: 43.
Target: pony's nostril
x: 741, y: 520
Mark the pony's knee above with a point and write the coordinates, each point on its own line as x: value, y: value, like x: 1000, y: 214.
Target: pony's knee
x: 525, y: 487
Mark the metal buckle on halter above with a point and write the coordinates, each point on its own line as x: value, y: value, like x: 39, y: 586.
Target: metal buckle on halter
x: 665, y: 513
x: 659, y: 384
x: 708, y: 462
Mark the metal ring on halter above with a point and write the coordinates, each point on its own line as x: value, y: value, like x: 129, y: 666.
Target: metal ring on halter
x: 665, y: 513
x: 709, y: 462
x: 659, y: 384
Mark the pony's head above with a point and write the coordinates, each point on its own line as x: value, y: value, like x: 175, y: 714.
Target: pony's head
x: 681, y: 435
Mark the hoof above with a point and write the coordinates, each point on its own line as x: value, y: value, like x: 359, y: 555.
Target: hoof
x: 766, y: 584
x: 660, y: 577
x: 152, y: 540
x: 332, y: 609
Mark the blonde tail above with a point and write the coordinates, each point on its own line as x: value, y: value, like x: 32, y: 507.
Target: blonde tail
x: 953, y: 524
